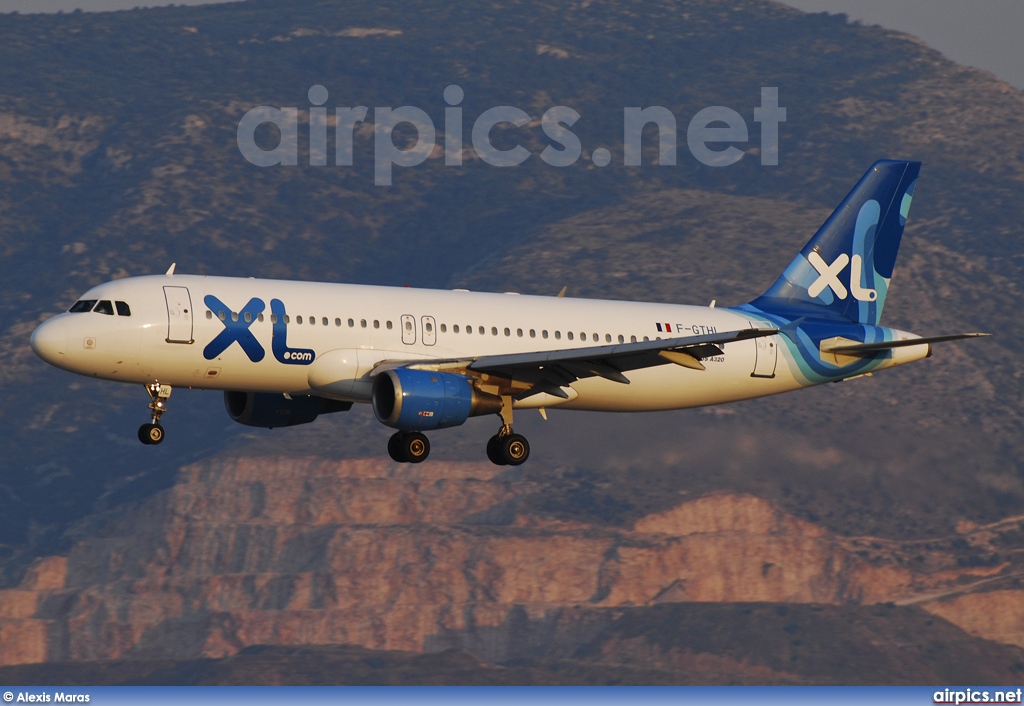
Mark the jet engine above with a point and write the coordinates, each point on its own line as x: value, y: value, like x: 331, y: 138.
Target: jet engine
x: 423, y: 399
x: 269, y: 410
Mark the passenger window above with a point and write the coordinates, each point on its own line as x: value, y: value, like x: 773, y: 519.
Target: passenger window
x: 337, y: 322
x: 430, y: 327
x: 248, y: 317
x: 519, y: 332
x: 568, y: 334
x: 558, y: 335
x: 234, y: 316
x: 533, y: 333
x: 481, y: 330
x: 408, y: 326
x: 622, y: 339
x: 632, y: 339
x: 389, y: 326
x: 444, y: 328
x: 298, y: 319
x: 351, y: 323
x: 607, y: 338
x: 376, y: 323
x: 273, y: 318
x: 324, y: 321
x: 507, y: 332
x: 544, y: 333
x: 362, y: 323
x: 82, y: 305
x: 209, y: 314
x: 123, y: 309
x: 455, y: 328
x: 494, y: 330
x: 104, y: 307
x: 312, y: 321
x: 288, y: 319
x: 469, y: 329
x: 646, y: 339
x: 260, y: 317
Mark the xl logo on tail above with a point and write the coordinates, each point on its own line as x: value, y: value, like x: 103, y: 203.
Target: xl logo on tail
x: 828, y: 276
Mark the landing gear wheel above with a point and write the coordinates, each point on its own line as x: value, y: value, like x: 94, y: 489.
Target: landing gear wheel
x: 515, y: 449
x: 151, y: 434
x: 395, y: 447
x: 494, y: 454
x: 415, y: 447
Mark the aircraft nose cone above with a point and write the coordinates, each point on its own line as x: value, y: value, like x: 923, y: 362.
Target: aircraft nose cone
x: 50, y: 341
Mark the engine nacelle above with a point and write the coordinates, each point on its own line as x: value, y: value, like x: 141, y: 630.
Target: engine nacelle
x: 269, y: 410
x: 423, y: 399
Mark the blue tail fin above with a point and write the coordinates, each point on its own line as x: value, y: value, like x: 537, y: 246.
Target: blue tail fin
x: 844, y: 270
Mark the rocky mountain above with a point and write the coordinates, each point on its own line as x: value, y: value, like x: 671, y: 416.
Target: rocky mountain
x: 249, y: 554
x: 118, y: 156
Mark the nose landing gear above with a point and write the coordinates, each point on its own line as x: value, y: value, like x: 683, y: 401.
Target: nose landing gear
x: 153, y: 433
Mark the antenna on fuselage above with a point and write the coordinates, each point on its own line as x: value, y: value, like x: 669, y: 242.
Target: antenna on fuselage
x: 564, y: 290
x: 170, y: 270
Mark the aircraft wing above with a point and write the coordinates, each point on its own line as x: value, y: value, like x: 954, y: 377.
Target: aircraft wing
x: 550, y: 371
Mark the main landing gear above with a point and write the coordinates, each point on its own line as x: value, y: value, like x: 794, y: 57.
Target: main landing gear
x: 506, y: 448
x: 153, y: 433
x: 408, y: 447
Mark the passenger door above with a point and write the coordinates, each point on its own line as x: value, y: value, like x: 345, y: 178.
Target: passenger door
x: 179, y: 314
x: 767, y: 353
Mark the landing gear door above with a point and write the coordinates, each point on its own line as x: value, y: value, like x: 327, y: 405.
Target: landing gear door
x: 408, y: 329
x: 179, y: 315
x: 429, y: 330
x: 767, y: 353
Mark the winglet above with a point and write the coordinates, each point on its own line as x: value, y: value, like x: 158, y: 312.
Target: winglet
x: 170, y: 270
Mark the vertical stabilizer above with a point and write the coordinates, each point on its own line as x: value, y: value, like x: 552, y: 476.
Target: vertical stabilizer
x: 844, y: 271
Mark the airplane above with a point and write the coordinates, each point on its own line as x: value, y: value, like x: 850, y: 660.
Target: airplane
x: 285, y: 352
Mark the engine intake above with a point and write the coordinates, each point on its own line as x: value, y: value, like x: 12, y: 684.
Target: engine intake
x: 269, y: 410
x: 423, y: 399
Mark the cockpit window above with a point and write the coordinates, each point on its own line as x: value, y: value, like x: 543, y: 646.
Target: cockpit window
x: 123, y: 309
x: 104, y: 307
x: 82, y: 305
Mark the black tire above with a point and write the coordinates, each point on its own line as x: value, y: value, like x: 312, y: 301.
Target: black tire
x: 494, y: 454
x: 395, y: 448
x: 151, y: 434
x: 415, y: 447
x: 515, y: 449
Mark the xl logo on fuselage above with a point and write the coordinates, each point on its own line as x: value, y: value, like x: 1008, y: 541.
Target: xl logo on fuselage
x: 236, y: 330
x: 828, y: 276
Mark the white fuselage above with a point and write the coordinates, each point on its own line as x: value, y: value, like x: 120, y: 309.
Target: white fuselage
x: 347, y: 329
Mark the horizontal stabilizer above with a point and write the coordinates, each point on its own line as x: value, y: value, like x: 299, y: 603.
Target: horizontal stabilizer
x: 844, y: 348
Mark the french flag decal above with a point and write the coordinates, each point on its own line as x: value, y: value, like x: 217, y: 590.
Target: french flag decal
x: 667, y: 328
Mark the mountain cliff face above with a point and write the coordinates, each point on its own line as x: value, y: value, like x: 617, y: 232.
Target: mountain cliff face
x: 288, y: 552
